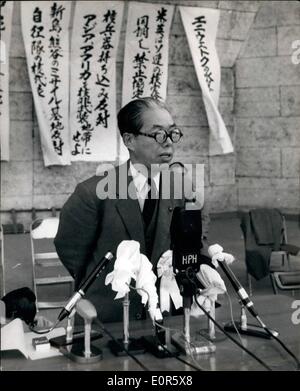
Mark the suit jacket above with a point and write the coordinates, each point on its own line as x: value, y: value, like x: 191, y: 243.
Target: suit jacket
x: 90, y: 227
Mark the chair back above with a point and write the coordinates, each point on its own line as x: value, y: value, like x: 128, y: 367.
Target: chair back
x: 49, y: 274
x: 264, y: 231
x: 2, y: 290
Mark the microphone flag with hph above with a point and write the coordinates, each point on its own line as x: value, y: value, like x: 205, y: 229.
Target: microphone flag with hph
x: 186, y: 233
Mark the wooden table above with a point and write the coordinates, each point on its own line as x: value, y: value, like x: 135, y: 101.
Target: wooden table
x: 275, y: 310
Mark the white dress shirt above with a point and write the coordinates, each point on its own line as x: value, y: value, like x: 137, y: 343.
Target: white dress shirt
x: 141, y: 184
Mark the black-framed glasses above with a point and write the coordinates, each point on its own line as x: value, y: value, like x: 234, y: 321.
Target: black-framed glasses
x: 161, y: 135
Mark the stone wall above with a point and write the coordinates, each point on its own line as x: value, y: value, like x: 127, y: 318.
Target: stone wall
x: 267, y: 111
x: 259, y: 102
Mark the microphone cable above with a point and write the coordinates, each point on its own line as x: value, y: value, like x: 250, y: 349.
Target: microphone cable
x: 101, y: 325
x: 191, y: 344
x: 31, y: 328
x: 244, y: 297
x: 230, y: 337
x: 225, y: 332
x: 67, y: 309
x: 97, y: 321
x: 197, y: 366
x: 280, y: 342
x: 232, y: 317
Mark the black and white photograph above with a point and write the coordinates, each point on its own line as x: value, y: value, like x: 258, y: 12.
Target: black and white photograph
x: 150, y: 189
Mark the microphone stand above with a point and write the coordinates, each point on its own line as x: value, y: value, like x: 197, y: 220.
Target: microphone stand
x: 126, y: 303
x: 184, y: 341
x: 84, y: 353
x: 211, y: 334
x: 186, y: 328
x: 133, y: 345
x: 247, y: 328
x: 159, y: 344
x: 246, y: 303
x: 72, y: 337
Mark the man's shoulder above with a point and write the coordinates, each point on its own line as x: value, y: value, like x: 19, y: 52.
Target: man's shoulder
x: 102, y: 171
x: 90, y: 182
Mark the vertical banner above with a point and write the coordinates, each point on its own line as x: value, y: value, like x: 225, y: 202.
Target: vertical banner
x: 95, y: 39
x: 45, y: 28
x: 6, y: 8
x: 200, y: 26
x: 146, y: 53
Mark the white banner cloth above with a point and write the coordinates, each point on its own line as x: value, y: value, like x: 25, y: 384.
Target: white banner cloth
x: 45, y: 28
x: 146, y: 53
x: 200, y: 26
x: 95, y: 39
x: 6, y: 8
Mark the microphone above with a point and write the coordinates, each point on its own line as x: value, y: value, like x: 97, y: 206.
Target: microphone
x: 186, y: 233
x: 84, y: 286
x: 241, y: 292
x: 263, y: 331
x: 249, y: 329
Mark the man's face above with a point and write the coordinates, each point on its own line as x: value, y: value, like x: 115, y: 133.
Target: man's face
x: 146, y: 150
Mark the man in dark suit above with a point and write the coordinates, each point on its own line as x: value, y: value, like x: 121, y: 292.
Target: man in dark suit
x: 90, y: 227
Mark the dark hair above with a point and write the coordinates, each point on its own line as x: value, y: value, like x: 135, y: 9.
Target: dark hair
x: 20, y: 303
x: 130, y: 116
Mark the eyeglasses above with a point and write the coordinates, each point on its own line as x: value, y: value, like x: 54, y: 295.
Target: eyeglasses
x: 161, y: 135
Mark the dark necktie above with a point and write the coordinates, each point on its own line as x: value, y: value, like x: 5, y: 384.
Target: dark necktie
x: 150, y: 203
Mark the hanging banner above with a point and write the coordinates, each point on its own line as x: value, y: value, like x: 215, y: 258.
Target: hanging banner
x: 6, y: 8
x: 200, y: 26
x: 45, y: 28
x: 146, y: 53
x: 93, y: 117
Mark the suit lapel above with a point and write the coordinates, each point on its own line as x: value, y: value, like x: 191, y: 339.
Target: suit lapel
x: 164, y: 217
x: 130, y: 213
x: 129, y: 209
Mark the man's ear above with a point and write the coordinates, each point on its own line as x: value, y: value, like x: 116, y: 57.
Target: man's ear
x: 128, y: 139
